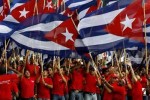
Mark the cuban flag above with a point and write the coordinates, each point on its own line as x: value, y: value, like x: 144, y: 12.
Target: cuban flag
x: 75, y: 4
x: 53, y: 34
x: 9, y: 23
x: 115, y: 26
x: 20, y: 10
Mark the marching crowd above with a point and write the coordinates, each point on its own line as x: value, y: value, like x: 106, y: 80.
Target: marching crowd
x: 30, y: 79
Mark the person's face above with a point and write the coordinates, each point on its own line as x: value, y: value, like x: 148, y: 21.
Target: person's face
x: 45, y: 73
x: 32, y: 59
x: 93, y: 72
x: 62, y: 70
x: 27, y: 74
x: 50, y: 71
x: 121, y: 83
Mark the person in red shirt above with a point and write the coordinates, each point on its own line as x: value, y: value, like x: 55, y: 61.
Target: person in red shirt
x: 59, y: 82
x: 27, y: 85
x: 43, y: 86
x: 136, y: 84
x: 77, y: 80
x: 116, y: 89
x: 32, y: 66
x: 6, y: 85
x: 91, y: 82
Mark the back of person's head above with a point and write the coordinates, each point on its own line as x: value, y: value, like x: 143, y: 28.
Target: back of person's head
x: 2, y: 70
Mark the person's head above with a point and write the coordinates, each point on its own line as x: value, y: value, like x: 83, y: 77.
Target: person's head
x: 45, y: 73
x: 114, y: 78
x: 111, y: 70
x: 2, y: 70
x: 50, y: 71
x: 27, y: 74
x: 92, y: 70
x: 62, y: 69
x: 121, y: 82
x: 14, y: 65
x: 32, y: 59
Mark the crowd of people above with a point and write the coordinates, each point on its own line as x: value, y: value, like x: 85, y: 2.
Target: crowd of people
x: 74, y: 79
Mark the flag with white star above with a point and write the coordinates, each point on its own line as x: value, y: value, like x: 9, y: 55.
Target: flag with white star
x: 129, y: 22
x: 32, y: 8
x: 118, y: 25
x: 54, y: 34
x: 65, y: 34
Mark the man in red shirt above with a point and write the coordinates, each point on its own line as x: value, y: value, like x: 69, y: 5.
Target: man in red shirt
x: 43, y: 86
x: 136, y: 84
x: 6, y: 85
x: 77, y: 81
x: 32, y: 66
x: 59, y: 82
x: 27, y: 84
x: 91, y: 82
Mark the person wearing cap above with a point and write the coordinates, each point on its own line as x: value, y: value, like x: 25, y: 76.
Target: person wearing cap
x: 116, y: 89
x: 91, y: 81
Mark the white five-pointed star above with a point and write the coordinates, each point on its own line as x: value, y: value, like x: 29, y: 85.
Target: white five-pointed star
x: 68, y: 35
x: 49, y: 5
x: 127, y: 23
x: 23, y: 13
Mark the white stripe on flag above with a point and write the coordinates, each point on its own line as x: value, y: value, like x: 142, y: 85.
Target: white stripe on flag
x: 79, y: 3
x: 4, y: 29
x: 83, y: 13
x: 1, y: 8
x: 10, y: 18
x: 101, y: 39
x: 32, y: 43
x: 98, y: 20
x: 37, y: 44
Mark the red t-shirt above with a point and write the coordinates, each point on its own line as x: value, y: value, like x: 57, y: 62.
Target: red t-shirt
x: 107, y: 95
x: 66, y: 87
x: 27, y: 87
x: 77, y: 79
x: 119, y: 92
x: 144, y: 81
x: 58, y: 84
x: 42, y: 90
x: 14, y: 87
x: 31, y: 69
x: 137, y: 91
x: 6, y: 86
x: 91, y: 83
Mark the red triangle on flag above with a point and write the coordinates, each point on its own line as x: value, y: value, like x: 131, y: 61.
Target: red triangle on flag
x: 65, y: 34
x: 129, y: 22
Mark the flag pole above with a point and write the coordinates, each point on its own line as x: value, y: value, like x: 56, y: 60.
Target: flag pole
x: 95, y: 66
x: 146, y: 54
x: 5, y: 52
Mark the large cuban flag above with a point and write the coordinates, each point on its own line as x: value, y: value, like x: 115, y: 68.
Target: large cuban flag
x: 53, y: 34
x: 114, y: 26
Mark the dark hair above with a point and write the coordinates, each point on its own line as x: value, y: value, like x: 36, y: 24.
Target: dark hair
x: 2, y: 70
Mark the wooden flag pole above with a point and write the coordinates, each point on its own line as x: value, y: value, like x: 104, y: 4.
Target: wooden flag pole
x: 95, y: 67
x: 146, y: 54
x: 5, y: 52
